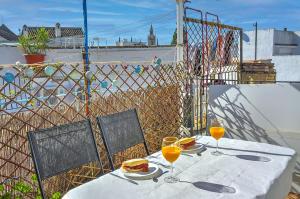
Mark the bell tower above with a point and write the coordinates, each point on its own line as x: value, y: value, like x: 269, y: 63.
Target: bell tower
x: 151, y: 37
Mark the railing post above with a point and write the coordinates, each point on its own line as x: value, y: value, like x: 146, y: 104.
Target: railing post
x: 86, y: 82
x: 241, y: 58
x: 85, y: 55
x: 180, y: 15
x: 188, y: 95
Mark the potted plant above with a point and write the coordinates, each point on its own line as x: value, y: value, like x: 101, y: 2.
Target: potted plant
x: 34, y: 46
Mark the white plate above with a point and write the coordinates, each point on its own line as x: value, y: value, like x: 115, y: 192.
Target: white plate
x: 194, y: 149
x: 153, y: 171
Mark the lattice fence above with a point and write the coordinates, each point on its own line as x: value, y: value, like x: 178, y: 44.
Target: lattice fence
x: 212, y: 53
x: 34, y: 97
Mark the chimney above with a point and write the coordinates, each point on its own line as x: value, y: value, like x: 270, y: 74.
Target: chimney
x: 25, y: 30
x: 57, y: 30
x: 285, y: 29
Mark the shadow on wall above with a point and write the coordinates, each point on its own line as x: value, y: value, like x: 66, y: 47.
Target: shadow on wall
x: 243, y: 119
x: 238, y: 121
x: 296, y: 86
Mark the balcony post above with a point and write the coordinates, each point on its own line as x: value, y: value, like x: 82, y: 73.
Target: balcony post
x: 86, y: 59
x: 180, y: 15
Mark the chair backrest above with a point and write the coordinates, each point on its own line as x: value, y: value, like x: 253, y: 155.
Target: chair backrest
x: 62, y: 148
x: 121, y: 131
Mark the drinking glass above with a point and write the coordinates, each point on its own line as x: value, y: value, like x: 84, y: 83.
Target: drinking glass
x: 217, y: 131
x: 171, y: 152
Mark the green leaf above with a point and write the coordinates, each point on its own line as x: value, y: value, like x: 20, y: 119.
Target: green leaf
x: 22, y: 187
x: 34, y: 178
x: 38, y: 197
x: 35, y: 44
x: 1, y: 187
x: 56, y: 195
x: 6, y: 196
x: 174, y: 38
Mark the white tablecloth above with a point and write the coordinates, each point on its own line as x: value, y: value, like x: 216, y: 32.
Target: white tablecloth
x: 248, y: 170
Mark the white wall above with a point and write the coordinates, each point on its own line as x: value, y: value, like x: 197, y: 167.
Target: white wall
x: 262, y: 113
x: 264, y: 44
x: 114, y: 54
x: 287, y: 67
x: 9, y: 55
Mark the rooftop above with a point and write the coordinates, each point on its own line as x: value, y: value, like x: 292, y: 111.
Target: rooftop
x: 7, y: 34
x: 65, y: 31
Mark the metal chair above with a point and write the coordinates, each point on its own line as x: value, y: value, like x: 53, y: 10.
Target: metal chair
x: 62, y: 148
x: 121, y: 131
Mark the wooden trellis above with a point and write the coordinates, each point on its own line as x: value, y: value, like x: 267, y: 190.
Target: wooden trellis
x: 56, y: 95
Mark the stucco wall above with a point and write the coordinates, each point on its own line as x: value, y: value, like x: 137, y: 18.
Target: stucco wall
x: 287, y: 67
x: 9, y: 55
x: 114, y: 54
x: 264, y: 44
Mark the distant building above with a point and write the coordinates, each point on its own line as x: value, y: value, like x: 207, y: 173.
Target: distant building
x: 6, y: 35
x: 152, y: 40
x: 62, y: 37
x: 271, y: 42
x: 282, y: 46
x: 125, y: 42
x: 152, y: 37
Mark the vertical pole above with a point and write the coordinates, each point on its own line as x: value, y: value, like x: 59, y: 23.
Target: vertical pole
x: 180, y: 14
x: 239, y: 71
x: 255, y: 53
x: 86, y: 58
x: 186, y: 105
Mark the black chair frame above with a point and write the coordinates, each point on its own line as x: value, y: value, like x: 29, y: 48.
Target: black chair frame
x: 34, y: 158
x: 105, y: 138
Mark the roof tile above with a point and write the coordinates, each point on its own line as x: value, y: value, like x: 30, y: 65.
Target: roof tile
x: 7, y: 34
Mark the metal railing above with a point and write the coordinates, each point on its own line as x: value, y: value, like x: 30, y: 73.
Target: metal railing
x: 213, y: 55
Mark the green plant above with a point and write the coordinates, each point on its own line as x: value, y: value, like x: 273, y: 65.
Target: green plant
x: 174, y: 38
x: 35, y: 44
x: 19, y: 189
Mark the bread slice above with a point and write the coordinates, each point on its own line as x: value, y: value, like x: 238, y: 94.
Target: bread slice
x: 136, y: 165
x: 186, y: 143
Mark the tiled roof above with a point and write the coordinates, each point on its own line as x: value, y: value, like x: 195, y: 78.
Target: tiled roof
x: 68, y: 32
x: 65, y: 31
x: 7, y: 34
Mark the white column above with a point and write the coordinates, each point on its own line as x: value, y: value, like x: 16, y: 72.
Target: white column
x: 180, y: 15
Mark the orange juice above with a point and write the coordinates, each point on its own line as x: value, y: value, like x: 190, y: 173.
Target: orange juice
x: 217, y: 132
x: 171, y: 153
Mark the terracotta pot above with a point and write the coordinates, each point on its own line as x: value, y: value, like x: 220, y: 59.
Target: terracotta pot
x: 34, y: 58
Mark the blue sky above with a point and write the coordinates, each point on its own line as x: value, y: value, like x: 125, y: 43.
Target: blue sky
x: 109, y: 19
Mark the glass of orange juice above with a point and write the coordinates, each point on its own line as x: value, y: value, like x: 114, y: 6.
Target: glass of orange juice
x: 171, y: 152
x: 217, y: 131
